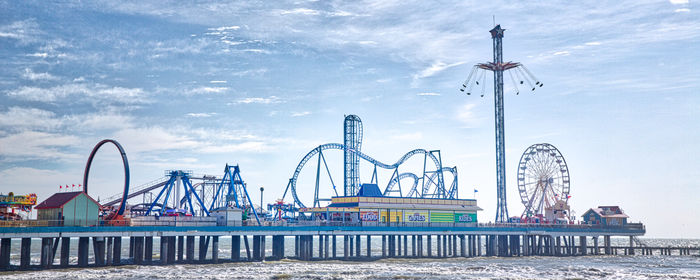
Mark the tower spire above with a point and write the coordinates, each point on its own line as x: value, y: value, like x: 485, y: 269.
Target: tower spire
x: 498, y: 67
x: 501, y: 207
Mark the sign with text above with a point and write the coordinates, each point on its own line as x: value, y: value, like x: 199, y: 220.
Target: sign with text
x: 416, y: 216
x: 369, y: 216
x: 465, y: 218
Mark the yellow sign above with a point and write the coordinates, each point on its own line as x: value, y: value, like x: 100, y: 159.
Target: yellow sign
x: 393, y: 216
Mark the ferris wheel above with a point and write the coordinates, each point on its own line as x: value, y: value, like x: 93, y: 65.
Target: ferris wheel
x: 543, y: 178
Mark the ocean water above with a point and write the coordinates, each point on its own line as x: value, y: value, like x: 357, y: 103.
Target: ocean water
x: 587, y: 267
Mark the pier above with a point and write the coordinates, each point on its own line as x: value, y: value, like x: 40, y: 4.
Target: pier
x: 104, y: 244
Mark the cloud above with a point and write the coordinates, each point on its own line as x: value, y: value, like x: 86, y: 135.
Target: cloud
x: 466, y: 115
x: 300, y: 114
x: 592, y: 44
x: 432, y: 70
x: 252, y: 146
x: 105, y: 120
x: 43, y: 182
x: 428, y: 94
x: 207, y: 90
x: 251, y: 72
x: 678, y: 2
x: 259, y: 100
x: 435, y: 68
x: 682, y: 10
x: 26, y: 31
x: 300, y: 11
x: 153, y: 139
x: 562, y: 53
x: 31, y: 75
x: 23, y: 118
x: 225, y: 28
x: 200, y: 115
x: 29, y: 118
x: 92, y: 93
x: 41, y: 55
x: 34, y: 145
x: 371, y: 97
x: 217, y: 82
x: 408, y: 136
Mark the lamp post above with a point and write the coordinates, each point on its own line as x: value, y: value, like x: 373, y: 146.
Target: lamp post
x: 261, y: 198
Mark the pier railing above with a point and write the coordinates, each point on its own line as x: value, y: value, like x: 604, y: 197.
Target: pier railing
x: 211, y: 221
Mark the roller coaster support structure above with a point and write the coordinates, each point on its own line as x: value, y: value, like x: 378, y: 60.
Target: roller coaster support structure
x: 235, y: 193
x: 177, y: 177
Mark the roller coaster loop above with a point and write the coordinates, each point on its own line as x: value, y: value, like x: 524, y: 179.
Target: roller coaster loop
x: 122, y: 205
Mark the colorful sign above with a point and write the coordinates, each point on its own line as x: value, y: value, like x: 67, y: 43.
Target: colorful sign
x: 465, y: 217
x: 369, y: 216
x: 441, y: 217
x: 20, y: 202
x: 416, y: 216
x: 393, y: 217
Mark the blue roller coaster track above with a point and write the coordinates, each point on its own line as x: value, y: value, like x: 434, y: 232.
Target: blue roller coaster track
x: 434, y: 178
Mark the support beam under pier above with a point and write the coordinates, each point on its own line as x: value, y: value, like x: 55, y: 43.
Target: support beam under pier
x: 83, y: 250
x: 116, y: 254
x: 26, y: 251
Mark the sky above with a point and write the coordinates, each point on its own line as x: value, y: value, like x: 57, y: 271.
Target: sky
x: 195, y: 85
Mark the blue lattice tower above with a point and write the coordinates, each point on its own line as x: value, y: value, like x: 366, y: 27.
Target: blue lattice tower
x: 352, y: 141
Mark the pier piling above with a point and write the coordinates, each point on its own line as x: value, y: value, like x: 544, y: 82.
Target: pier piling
x: 164, y: 250
x: 116, y: 254
x: 189, y: 254
x: 25, y: 254
x: 180, y: 247
x: 430, y: 246
x: 148, y: 249
x: 215, y: 249
x: 98, y: 245
x: 83, y: 251
x: 5, y: 244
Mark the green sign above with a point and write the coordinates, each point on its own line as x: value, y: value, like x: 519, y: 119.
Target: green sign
x: 441, y: 217
x: 465, y: 218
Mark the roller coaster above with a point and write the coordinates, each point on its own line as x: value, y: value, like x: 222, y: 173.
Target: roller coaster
x: 430, y: 185
x: 176, y: 192
x: 184, y: 193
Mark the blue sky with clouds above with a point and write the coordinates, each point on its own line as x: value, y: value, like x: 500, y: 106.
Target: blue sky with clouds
x: 196, y: 85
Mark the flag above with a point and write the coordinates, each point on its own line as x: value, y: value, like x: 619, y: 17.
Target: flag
x: 60, y: 187
x: 74, y: 185
x: 568, y: 196
x: 475, y: 190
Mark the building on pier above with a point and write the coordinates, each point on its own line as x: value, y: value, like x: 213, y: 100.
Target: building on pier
x: 69, y: 209
x: 605, y: 215
x: 371, y: 207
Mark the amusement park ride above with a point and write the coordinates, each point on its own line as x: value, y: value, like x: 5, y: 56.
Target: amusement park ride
x: 176, y: 194
x: 544, y: 185
x: 543, y: 177
x: 11, y: 203
x: 181, y: 193
x: 430, y: 184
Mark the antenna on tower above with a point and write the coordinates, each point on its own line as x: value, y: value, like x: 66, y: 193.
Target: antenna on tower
x: 478, y: 77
